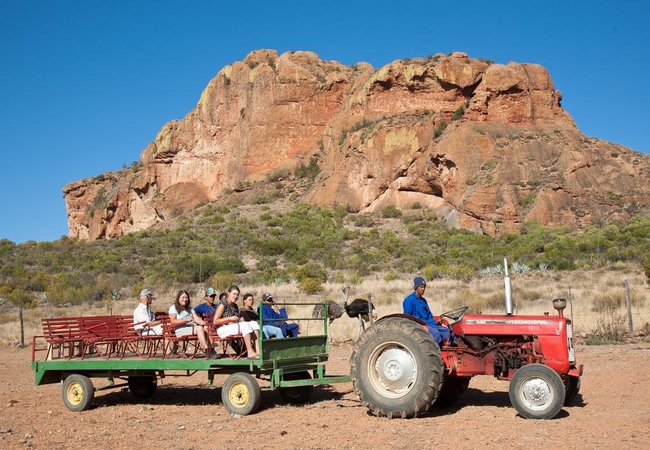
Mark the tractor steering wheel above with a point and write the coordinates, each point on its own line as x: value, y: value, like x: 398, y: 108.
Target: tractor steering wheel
x: 455, y: 314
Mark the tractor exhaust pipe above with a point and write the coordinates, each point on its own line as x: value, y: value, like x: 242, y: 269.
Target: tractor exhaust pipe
x: 508, y: 289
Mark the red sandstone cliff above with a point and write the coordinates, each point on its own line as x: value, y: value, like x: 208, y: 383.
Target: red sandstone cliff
x: 512, y: 154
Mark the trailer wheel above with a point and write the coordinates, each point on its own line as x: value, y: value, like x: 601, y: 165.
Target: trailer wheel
x: 452, y: 389
x: 298, y: 394
x: 241, y: 394
x: 78, y: 392
x: 572, y: 388
x: 396, y: 368
x: 537, y: 392
x: 142, y: 386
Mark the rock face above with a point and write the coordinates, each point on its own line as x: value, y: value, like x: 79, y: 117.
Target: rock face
x: 487, y: 146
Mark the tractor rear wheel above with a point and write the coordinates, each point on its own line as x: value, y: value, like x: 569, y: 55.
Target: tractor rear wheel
x: 452, y: 389
x: 537, y: 392
x: 396, y: 368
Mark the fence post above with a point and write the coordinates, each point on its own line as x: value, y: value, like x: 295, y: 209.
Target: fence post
x: 22, y: 327
x: 628, y: 303
x: 370, y: 308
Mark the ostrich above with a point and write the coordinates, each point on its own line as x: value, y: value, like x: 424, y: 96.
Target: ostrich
x: 334, y: 311
x: 357, y: 308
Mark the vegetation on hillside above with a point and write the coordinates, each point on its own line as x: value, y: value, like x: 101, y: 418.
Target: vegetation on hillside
x: 304, y: 245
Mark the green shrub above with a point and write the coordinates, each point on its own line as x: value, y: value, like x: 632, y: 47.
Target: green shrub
x: 391, y: 211
x: 390, y: 276
x: 221, y: 281
x: 365, y: 220
x: 310, y: 171
x: 527, y: 200
x: 440, y: 128
x: 458, y: 114
x: 278, y: 175
x: 310, y: 285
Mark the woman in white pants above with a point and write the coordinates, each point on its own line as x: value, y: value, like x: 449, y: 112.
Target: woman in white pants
x: 228, y: 323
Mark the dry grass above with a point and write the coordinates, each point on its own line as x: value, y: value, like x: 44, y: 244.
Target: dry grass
x: 597, y: 301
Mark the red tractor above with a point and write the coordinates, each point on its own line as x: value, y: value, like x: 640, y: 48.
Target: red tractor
x: 399, y: 371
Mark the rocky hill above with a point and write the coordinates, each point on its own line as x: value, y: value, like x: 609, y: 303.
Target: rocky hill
x: 487, y: 146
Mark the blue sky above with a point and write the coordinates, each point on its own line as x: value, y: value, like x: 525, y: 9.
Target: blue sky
x: 86, y: 85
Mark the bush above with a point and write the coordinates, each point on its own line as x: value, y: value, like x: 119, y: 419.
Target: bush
x: 310, y: 285
x: 391, y: 212
x: 221, y: 281
x: 366, y: 220
x: 310, y: 171
x: 440, y: 128
x: 390, y: 276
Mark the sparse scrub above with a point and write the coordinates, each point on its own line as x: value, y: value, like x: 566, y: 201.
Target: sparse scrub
x: 364, y: 220
x: 253, y: 246
x: 610, y: 323
x: 391, y: 211
x: 278, y: 175
x: 527, y: 200
x: 310, y: 285
x: 440, y: 128
x: 310, y: 171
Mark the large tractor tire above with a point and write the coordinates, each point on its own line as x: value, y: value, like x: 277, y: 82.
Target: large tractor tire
x: 396, y: 369
x: 537, y: 392
x: 452, y: 389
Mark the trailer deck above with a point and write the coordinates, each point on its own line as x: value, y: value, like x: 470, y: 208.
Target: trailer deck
x: 292, y: 365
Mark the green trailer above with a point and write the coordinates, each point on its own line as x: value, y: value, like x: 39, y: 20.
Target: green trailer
x: 292, y: 365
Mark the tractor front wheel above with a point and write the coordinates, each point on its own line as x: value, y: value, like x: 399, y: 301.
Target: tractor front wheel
x: 537, y: 392
x: 396, y: 368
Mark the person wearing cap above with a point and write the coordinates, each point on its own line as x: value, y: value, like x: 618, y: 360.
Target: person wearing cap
x: 416, y: 305
x: 144, y: 317
x: 209, y: 307
x: 277, y: 317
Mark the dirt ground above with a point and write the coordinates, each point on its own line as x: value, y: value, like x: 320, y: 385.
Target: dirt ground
x: 612, y: 411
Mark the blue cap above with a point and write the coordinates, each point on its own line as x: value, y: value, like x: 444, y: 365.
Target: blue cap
x: 145, y: 292
x: 209, y: 291
x: 418, y: 281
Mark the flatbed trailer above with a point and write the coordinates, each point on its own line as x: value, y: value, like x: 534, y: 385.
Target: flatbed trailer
x: 292, y: 365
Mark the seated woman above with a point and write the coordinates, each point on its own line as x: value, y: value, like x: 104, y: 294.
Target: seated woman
x: 228, y: 323
x: 249, y: 314
x: 185, y: 321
